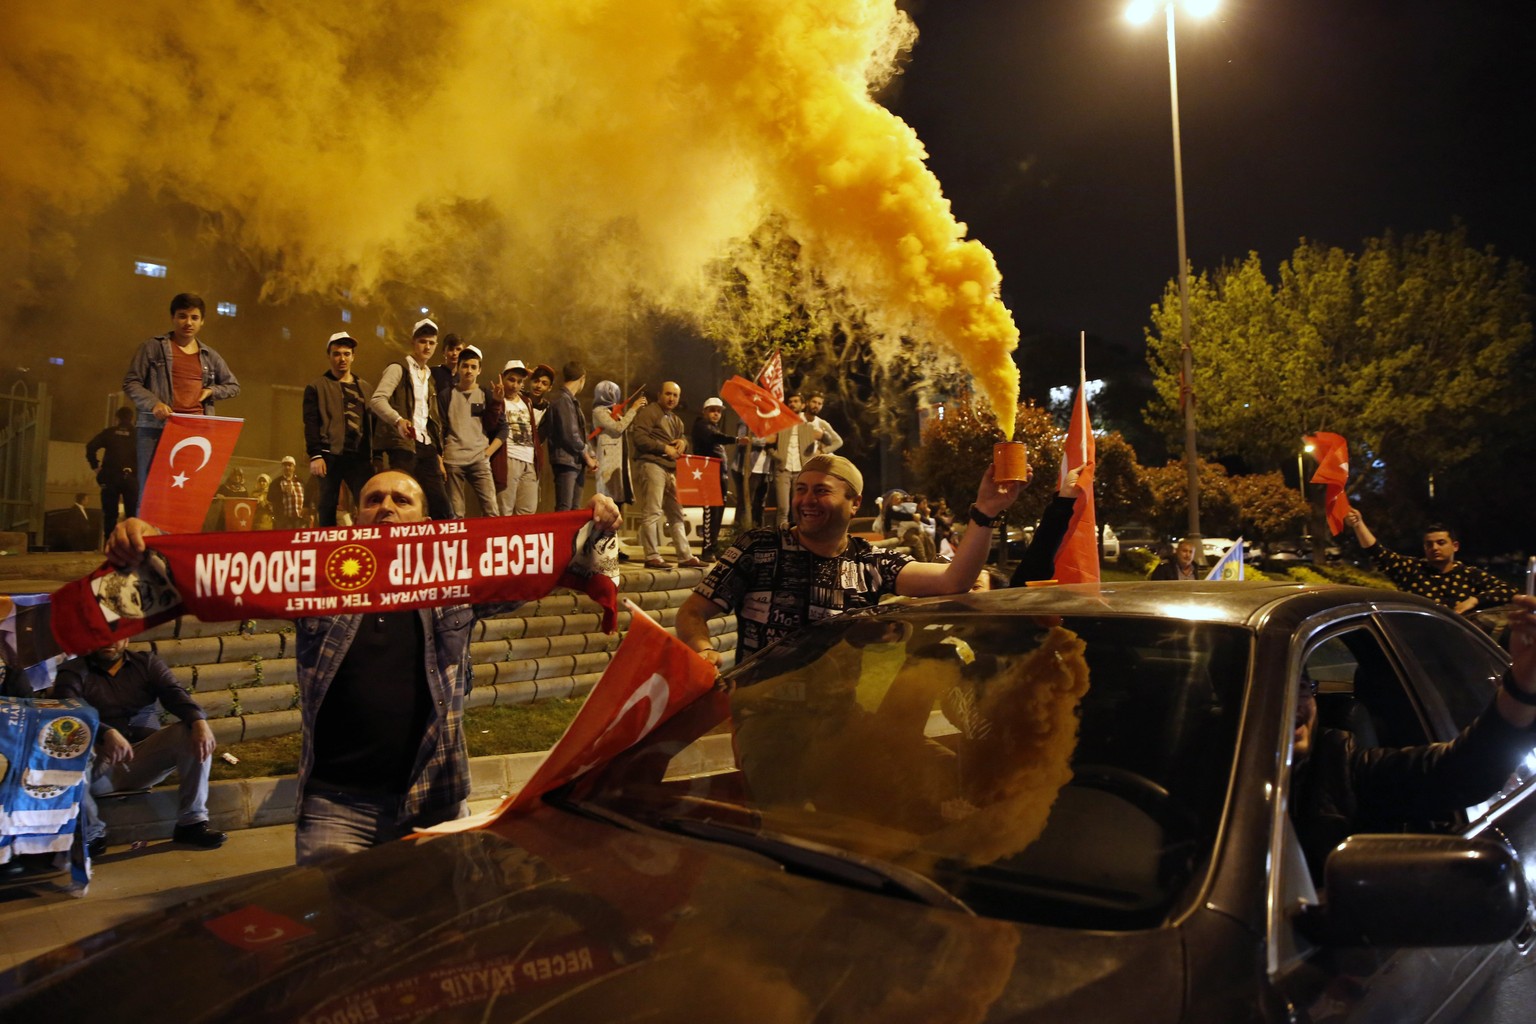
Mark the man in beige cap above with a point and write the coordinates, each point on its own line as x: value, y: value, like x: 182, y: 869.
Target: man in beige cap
x: 777, y: 581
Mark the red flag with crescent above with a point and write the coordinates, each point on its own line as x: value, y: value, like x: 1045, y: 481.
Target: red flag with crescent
x: 239, y: 514
x: 771, y: 376
x: 188, y: 465
x: 653, y: 675
x: 763, y: 414
x: 1332, y: 454
x: 698, y: 481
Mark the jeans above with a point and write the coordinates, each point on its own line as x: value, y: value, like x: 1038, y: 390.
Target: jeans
x: 521, y: 495
x: 784, y: 486
x: 476, y: 474
x: 424, y: 466
x: 332, y: 823
x: 154, y: 758
x: 657, y: 494
x: 569, y: 480
x: 127, y: 488
x: 348, y: 468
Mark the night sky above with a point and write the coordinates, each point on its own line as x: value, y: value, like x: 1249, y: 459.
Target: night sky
x: 1048, y: 123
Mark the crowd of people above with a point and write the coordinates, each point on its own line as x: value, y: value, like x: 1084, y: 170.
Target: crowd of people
x: 383, y: 694
x: 478, y: 442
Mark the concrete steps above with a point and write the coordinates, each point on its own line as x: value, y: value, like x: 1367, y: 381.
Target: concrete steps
x: 244, y: 674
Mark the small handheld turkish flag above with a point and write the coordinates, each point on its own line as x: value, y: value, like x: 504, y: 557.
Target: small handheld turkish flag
x: 653, y: 675
x: 763, y: 414
x: 698, y: 481
x: 188, y: 465
x: 1332, y: 454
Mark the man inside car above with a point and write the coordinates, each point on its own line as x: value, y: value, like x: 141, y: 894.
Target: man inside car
x: 778, y: 581
x: 1340, y: 788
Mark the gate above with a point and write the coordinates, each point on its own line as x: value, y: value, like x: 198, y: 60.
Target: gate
x: 25, y: 421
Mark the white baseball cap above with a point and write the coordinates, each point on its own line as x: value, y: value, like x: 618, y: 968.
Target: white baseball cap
x: 713, y: 403
x: 424, y: 322
x: 340, y: 336
x: 514, y: 364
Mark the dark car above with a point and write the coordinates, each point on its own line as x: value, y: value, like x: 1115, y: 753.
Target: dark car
x: 1063, y: 804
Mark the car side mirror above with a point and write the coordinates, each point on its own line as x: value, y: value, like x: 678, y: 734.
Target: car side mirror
x: 1418, y: 890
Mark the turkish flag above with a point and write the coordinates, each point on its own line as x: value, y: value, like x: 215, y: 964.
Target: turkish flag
x: 698, y: 481
x: 188, y: 465
x: 771, y: 376
x: 255, y: 928
x: 1332, y: 454
x: 239, y: 514
x: 763, y: 414
x: 1077, y: 560
x: 653, y: 675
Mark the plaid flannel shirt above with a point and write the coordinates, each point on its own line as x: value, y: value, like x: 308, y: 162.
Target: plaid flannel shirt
x: 440, y: 777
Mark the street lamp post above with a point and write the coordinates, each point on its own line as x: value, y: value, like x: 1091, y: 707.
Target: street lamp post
x: 1138, y: 12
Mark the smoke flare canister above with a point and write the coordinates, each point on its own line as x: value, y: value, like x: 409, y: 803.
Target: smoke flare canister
x: 1010, y: 461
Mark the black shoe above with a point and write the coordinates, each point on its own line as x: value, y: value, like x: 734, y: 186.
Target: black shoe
x: 198, y: 834
x: 97, y: 847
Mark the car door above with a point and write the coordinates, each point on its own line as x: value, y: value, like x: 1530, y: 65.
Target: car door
x: 1369, y: 672
x: 1456, y: 672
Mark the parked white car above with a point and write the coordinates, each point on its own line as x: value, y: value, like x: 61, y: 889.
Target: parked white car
x: 1110, y: 550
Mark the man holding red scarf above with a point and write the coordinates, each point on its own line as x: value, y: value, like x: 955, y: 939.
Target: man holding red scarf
x: 383, y: 699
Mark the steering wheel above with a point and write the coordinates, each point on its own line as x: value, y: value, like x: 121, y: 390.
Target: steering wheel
x: 1147, y: 796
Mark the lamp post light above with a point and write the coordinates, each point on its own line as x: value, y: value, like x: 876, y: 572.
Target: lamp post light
x: 1138, y: 13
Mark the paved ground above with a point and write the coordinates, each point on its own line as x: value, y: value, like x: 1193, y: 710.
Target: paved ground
x: 39, y: 915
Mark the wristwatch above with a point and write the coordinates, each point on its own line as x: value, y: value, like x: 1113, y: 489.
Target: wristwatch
x: 981, y: 519
x: 1528, y: 699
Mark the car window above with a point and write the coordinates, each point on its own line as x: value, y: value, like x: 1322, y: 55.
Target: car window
x: 1461, y: 671
x: 1066, y: 771
x: 1360, y: 690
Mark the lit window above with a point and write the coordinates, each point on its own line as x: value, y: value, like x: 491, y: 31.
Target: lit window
x: 226, y: 309
x: 379, y: 330
x: 346, y: 316
x: 287, y: 334
x: 146, y: 269
x: 56, y: 360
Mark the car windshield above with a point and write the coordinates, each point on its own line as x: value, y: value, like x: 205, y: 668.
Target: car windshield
x: 1065, y: 771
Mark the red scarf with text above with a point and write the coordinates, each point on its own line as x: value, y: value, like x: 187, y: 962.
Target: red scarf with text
x: 286, y: 574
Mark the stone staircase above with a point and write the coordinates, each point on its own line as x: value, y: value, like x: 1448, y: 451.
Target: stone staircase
x: 244, y: 676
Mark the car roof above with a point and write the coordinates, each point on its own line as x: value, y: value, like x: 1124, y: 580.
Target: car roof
x: 1236, y: 602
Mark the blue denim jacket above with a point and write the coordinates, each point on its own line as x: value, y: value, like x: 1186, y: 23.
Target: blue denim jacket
x: 148, y: 379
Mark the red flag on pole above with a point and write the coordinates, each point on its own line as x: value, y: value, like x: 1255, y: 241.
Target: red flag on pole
x: 1077, y: 560
x: 188, y: 465
x: 1332, y: 454
x: 698, y: 481
x: 763, y: 414
x: 239, y: 514
x: 771, y: 376
x: 653, y: 675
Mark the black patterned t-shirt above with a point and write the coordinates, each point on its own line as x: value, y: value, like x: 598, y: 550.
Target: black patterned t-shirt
x: 776, y: 587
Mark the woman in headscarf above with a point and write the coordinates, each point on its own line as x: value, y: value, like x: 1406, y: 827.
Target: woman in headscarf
x: 610, y: 420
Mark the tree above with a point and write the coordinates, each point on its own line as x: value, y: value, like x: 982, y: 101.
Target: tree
x: 1267, y: 508
x: 1170, y: 506
x: 1413, y: 349
x: 1120, y: 491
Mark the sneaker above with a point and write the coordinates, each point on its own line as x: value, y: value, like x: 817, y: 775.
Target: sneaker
x: 97, y: 847
x: 198, y: 834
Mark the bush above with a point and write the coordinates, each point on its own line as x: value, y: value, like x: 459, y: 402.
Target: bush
x: 1138, y: 560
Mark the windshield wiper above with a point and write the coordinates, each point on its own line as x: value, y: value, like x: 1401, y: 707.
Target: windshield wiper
x: 830, y: 863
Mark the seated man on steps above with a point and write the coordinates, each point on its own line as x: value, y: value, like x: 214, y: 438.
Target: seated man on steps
x: 132, y: 750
